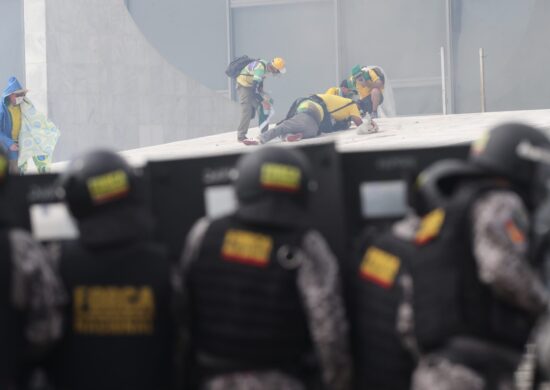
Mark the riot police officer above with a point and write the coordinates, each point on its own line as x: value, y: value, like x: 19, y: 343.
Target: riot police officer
x: 376, y: 285
x: 380, y: 286
x: 476, y: 292
x: 262, y: 287
x: 31, y: 296
x: 119, y: 327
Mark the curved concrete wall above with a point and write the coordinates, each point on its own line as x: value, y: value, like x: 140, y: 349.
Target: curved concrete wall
x: 191, y: 34
x: 107, y: 86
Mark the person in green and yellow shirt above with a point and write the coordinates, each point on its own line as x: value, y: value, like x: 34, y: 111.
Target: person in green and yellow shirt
x: 10, y: 120
x: 369, y: 83
x: 24, y: 132
x: 250, y: 89
x: 346, y: 89
x: 322, y: 113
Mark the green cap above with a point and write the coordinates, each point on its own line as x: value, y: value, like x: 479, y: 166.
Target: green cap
x: 356, y: 70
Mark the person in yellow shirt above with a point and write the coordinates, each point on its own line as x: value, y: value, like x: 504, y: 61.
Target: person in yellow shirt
x: 309, y: 117
x: 346, y: 89
x: 25, y: 132
x: 369, y: 83
x: 10, y: 120
x: 250, y: 90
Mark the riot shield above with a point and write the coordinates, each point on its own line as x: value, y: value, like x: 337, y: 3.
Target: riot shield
x: 183, y: 191
x: 23, y: 191
x: 377, y: 183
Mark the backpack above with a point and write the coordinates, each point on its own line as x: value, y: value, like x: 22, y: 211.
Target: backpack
x: 328, y: 125
x: 236, y: 66
x: 293, y: 108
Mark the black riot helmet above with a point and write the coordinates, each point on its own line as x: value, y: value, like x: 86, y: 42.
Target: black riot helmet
x: 273, y: 186
x: 4, y: 167
x: 519, y: 153
x: 435, y: 185
x: 98, y: 181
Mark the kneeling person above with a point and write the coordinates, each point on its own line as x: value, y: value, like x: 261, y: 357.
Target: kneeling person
x: 369, y: 82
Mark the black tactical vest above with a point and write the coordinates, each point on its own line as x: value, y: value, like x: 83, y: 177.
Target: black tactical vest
x: 382, y: 362
x: 449, y: 299
x: 11, y: 325
x: 246, y: 310
x: 119, y: 327
x: 326, y: 124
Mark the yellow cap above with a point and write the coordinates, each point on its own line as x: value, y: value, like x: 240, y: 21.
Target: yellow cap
x: 279, y: 64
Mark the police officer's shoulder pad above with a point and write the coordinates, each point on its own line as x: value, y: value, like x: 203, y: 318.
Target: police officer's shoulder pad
x: 430, y: 226
x: 379, y: 267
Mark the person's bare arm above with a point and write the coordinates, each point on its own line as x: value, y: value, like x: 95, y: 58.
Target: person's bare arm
x: 375, y: 84
x: 357, y: 120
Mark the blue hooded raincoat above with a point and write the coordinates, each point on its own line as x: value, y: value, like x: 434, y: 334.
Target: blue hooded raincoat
x: 5, y: 117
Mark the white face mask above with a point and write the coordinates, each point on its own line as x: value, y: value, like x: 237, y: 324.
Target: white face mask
x: 19, y: 100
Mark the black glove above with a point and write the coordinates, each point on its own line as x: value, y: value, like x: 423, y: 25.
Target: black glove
x: 257, y: 88
x: 362, y: 104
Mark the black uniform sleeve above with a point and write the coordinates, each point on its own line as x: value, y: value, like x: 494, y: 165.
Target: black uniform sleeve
x: 190, y: 253
x: 500, y: 226
x: 193, y: 243
x: 319, y: 285
x: 37, y: 289
x: 182, y: 306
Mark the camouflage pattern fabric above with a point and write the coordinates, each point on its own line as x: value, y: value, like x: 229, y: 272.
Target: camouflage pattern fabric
x: 318, y: 281
x: 500, y: 236
x: 438, y: 373
x: 270, y: 380
x: 37, y: 289
x: 319, y: 284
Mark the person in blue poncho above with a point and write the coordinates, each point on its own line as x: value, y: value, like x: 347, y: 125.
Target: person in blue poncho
x: 24, y: 132
x: 10, y: 119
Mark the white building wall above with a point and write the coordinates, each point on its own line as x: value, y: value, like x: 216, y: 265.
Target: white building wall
x: 107, y: 86
x: 11, y: 41
x: 36, y: 64
x: 514, y: 35
x: 303, y: 34
x: 403, y: 36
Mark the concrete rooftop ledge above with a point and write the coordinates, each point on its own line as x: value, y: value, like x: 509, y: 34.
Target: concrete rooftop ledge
x: 395, y: 133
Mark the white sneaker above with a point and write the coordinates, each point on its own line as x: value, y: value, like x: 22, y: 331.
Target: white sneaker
x: 367, y: 127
